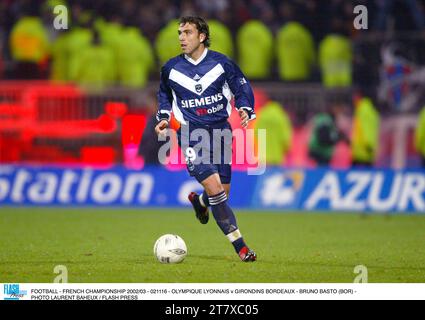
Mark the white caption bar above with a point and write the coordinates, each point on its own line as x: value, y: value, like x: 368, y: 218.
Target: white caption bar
x: 207, y: 291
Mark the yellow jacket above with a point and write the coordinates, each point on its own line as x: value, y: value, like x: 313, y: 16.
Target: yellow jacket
x: 255, y: 63
x: 295, y: 52
x: 222, y: 38
x: 167, y: 43
x: 365, y: 134
x: 420, y: 133
x: 29, y: 41
x: 274, y: 119
x: 335, y: 58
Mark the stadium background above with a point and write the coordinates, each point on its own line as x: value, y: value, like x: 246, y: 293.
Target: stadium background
x: 77, y: 142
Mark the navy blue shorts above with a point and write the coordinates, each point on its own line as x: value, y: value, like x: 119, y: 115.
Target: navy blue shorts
x: 207, y: 150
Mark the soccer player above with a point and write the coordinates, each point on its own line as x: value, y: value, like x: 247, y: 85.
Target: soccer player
x: 197, y: 86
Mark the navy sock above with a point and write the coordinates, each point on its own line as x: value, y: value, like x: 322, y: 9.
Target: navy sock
x: 205, y: 199
x: 238, y: 244
x: 226, y: 220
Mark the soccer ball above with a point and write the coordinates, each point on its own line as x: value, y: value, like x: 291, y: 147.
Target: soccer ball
x: 170, y: 248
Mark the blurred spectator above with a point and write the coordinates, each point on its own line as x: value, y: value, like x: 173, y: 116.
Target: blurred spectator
x: 256, y: 64
x: 335, y: 59
x: 167, y: 43
x: 287, y: 12
x: 152, y: 16
x: 274, y: 119
x: 187, y: 8
x: 111, y: 33
x: 365, y: 135
x: 385, y: 9
x: 263, y: 10
x: 213, y: 7
x: 134, y: 59
x: 420, y: 136
x: 59, y: 68
x: 295, y: 52
x: 325, y: 135
x: 242, y: 13
x: 313, y: 15
x: 1, y: 56
x: 222, y: 38
x: 1, y: 66
x: 393, y: 87
x: 29, y: 48
x: 96, y: 65
x: 77, y: 40
x: 3, y: 14
x: 339, y: 17
x: 129, y: 11
x: 3, y: 34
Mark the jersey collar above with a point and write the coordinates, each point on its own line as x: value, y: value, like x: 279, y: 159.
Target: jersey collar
x: 204, y: 54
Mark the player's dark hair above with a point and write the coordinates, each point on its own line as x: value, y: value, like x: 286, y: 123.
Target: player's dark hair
x: 201, y: 26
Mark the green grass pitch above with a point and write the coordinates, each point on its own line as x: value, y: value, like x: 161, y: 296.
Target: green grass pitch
x: 116, y: 245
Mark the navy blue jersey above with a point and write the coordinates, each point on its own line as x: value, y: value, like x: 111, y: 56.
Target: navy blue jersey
x: 200, y: 91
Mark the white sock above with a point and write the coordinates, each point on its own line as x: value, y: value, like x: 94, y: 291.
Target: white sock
x: 233, y: 236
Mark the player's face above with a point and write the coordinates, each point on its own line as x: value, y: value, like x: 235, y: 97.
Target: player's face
x: 190, y: 38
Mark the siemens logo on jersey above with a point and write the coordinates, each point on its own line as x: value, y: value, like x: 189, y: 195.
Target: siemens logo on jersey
x: 204, y: 101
